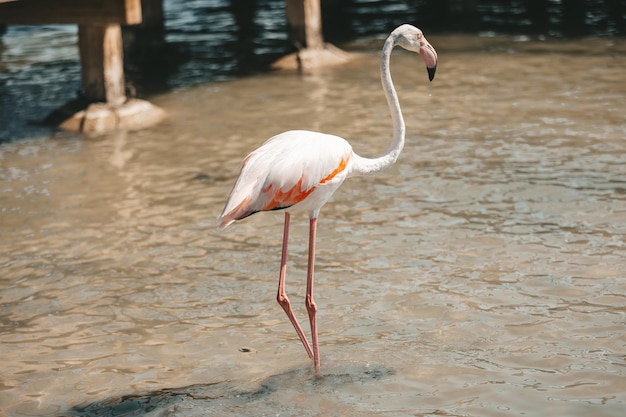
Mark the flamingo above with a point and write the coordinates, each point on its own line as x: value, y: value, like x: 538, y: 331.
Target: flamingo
x: 299, y: 170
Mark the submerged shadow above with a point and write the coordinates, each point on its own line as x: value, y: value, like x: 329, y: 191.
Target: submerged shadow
x: 227, y: 397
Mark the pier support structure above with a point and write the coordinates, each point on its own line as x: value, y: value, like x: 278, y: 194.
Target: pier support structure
x: 304, y: 19
x: 104, y: 106
x: 102, y: 66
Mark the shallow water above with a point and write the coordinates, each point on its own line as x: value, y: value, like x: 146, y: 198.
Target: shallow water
x: 482, y: 275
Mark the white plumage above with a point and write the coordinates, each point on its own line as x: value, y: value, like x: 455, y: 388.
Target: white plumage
x: 298, y: 169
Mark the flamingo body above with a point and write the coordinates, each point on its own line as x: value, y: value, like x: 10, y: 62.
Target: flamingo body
x: 297, y: 170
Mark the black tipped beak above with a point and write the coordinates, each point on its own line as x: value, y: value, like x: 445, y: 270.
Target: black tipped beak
x: 431, y: 72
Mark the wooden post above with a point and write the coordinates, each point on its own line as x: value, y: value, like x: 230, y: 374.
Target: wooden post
x: 304, y: 18
x: 102, y: 63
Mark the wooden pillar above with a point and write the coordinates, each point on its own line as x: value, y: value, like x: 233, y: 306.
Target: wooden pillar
x: 102, y: 62
x: 304, y: 18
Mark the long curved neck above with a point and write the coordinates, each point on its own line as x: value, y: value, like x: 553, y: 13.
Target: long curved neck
x: 365, y: 165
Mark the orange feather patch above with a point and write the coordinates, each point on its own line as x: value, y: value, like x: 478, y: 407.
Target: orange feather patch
x: 286, y: 198
x: 296, y: 194
x: 341, y: 167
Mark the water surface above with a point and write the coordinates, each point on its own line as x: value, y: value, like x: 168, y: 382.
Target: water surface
x: 482, y: 275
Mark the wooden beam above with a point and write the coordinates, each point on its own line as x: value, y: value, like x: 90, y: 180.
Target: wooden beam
x: 83, y: 12
x: 102, y: 63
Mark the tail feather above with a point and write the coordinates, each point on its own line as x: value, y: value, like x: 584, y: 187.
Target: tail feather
x: 241, y: 211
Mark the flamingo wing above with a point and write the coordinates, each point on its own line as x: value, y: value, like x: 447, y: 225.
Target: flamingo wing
x: 286, y: 170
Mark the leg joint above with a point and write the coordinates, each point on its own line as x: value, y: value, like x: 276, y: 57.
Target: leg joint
x: 310, y: 304
x: 282, y: 299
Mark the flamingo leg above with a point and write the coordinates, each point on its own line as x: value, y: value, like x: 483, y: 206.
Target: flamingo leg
x: 282, y: 295
x: 310, y: 302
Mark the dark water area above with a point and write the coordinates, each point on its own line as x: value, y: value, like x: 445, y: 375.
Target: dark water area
x: 209, y: 41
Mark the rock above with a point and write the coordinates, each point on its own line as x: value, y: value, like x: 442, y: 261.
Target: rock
x: 138, y: 114
x: 308, y: 59
x: 102, y: 118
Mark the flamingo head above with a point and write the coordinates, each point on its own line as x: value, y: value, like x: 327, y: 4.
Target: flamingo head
x: 412, y: 39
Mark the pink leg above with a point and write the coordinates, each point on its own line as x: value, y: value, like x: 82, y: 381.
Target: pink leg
x: 310, y: 302
x: 282, y: 295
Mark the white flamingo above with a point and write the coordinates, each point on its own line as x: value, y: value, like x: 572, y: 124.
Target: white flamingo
x: 299, y: 170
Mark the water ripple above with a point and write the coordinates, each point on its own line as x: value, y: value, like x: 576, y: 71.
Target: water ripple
x: 491, y: 255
